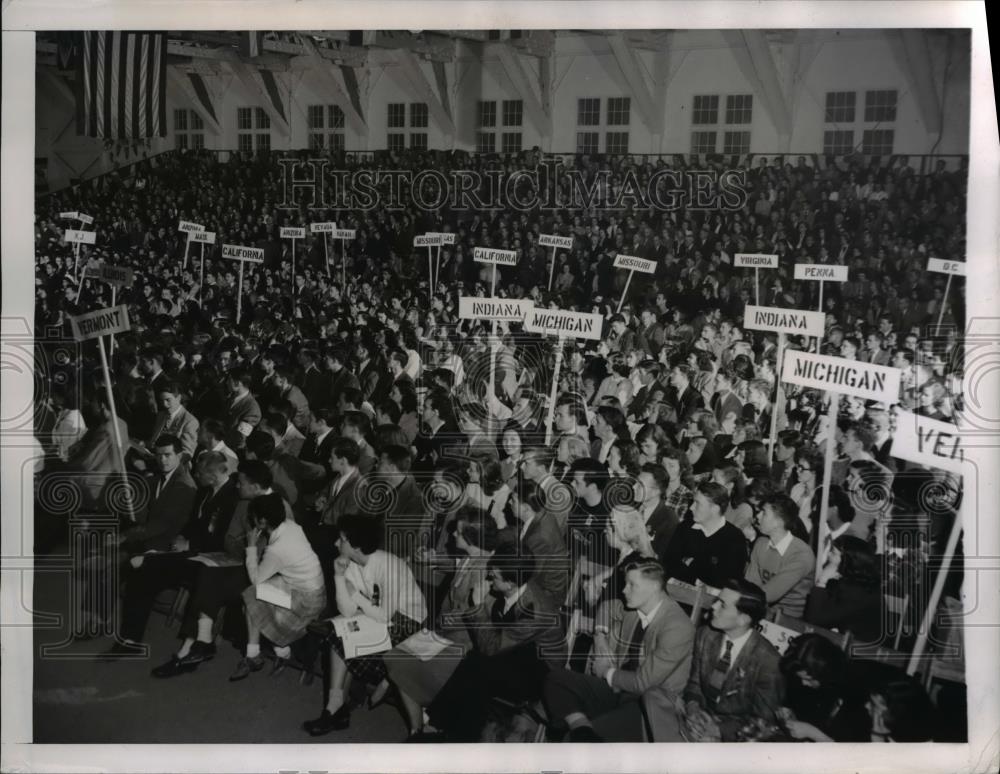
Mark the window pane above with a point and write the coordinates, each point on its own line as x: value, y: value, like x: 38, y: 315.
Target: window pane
x: 739, y: 108
x: 588, y: 112
x: 418, y: 115
x: 487, y: 113
x: 336, y: 117
x: 244, y: 118
x: 418, y: 140
x: 840, y: 107
x: 705, y: 109
x: 197, y: 141
x: 486, y: 142
x: 263, y: 119
x: 315, y: 116
x: 618, y: 111
x: 512, y: 112
x: 336, y: 141
x: 511, y: 142
x: 838, y: 143
x: 880, y: 105
x: 736, y: 143
x: 616, y: 142
x: 263, y: 141
x: 245, y: 142
x: 703, y: 142
x: 586, y: 142
x: 396, y: 115
x: 397, y: 141
x: 197, y: 122
x: 877, y: 142
x: 180, y: 141
x: 180, y: 121
x: 316, y: 141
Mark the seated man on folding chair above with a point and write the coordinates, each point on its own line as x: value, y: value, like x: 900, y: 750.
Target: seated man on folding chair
x: 650, y: 651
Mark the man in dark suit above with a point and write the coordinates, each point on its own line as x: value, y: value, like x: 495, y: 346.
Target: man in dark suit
x: 338, y: 378
x: 538, y: 534
x: 213, y: 509
x: 406, y: 503
x: 320, y: 440
x: 291, y: 393
x: 651, y: 334
x: 174, y: 419
x: 684, y: 398
x: 370, y: 372
x: 725, y: 401
x: 313, y: 381
x: 661, y: 521
x: 647, y: 652
x: 734, y: 675
x: 242, y: 411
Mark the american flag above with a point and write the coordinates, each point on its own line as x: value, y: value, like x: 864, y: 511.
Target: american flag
x: 121, y: 85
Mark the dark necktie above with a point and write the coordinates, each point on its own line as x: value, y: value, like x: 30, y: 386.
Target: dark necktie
x: 631, y: 662
x: 718, y: 676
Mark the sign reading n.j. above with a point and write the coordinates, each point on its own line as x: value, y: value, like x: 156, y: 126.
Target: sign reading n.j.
x: 837, y: 374
x: 581, y: 325
x: 99, y: 323
x: 240, y: 253
x: 755, y: 261
x: 491, y: 255
x: 635, y: 264
x: 75, y: 235
x: 794, y: 321
x: 928, y: 442
x: 820, y: 271
x: 551, y: 240
x: 474, y: 308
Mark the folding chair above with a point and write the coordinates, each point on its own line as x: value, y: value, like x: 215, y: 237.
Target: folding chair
x: 842, y: 641
x: 687, y: 595
x: 898, y: 606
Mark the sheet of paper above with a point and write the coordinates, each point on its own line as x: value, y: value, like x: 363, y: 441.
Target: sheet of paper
x: 268, y: 593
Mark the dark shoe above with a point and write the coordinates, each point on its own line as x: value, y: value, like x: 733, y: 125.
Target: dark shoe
x: 125, y: 650
x: 176, y: 666
x: 382, y: 696
x: 200, y: 651
x: 327, y: 722
x: 582, y: 734
x: 279, y: 666
x: 245, y: 666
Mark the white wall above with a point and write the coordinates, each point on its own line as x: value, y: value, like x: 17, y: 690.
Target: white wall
x: 700, y: 62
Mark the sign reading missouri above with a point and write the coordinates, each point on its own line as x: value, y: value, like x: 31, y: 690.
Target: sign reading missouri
x: 492, y: 255
x: 635, y: 264
x: 837, y: 374
x: 755, y: 261
x: 100, y: 323
x: 323, y: 228
x: 189, y: 228
x: 551, y: 240
x: 474, y: 308
x: 820, y: 271
x: 75, y: 235
x: 288, y: 232
x: 928, y: 442
x: 427, y: 240
x: 946, y: 267
x: 794, y: 321
x: 240, y: 253
x: 581, y: 325
x: 205, y: 237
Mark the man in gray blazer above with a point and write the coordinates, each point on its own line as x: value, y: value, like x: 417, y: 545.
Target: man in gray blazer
x: 648, y: 652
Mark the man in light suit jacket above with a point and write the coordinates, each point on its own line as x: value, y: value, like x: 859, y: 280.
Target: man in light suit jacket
x: 734, y: 675
x: 174, y: 419
x: 647, y: 653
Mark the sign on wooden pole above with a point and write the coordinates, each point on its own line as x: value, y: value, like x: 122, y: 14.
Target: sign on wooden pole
x: 951, y: 268
x: 188, y: 228
x: 203, y: 238
x: 242, y: 254
x: 633, y: 264
x: 344, y: 235
x: 756, y: 261
x: 288, y: 232
x: 325, y: 229
x: 555, y: 242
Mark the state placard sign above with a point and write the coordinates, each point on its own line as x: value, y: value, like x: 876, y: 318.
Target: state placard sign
x: 794, y: 321
x: 475, y: 308
x: 635, y: 264
x: 205, y: 237
x: 116, y: 275
x: 446, y: 238
x: 84, y: 237
x: 344, y: 233
x: 946, y: 267
x: 190, y: 228
x: 551, y: 240
x: 240, y: 253
x: 492, y: 255
x: 85, y: 219
x: 427, y: 240
x: 323, y: 228
x: 102, y: 322
x: 70, y: 215
x: 928, y: 442
x: 820, y: 271
x: 837, y: 374
x: 288, y: 232
x: 580, y: 325
x: 755, y: 261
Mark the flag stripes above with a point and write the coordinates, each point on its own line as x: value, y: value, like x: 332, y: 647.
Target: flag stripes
x: 121, y: 85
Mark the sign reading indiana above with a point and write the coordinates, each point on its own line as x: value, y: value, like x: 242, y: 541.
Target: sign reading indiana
x: 794, y: 321
x: 100, y: 323
x: 475, y: 308
x: 581, y: 325
x: 838, y: 374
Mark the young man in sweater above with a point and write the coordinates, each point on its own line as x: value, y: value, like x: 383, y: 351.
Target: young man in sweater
x: 780, y: 563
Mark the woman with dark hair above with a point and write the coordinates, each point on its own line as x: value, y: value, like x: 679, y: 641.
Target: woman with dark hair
x: 511, y: 448
x: 278, y: 556
x: 900, y: 711
x: 679, y: 493
x: 617, y: 383
x: 852, y: 597
x: 650, y: 439
x: 820, y: 705
x: 623, y: 459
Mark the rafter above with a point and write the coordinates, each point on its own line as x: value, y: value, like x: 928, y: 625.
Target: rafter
x: 632, y: 72
x: 340, y: 96
x: 251, y: 80
x: 411, y: 70
x: 521, y: 83
x: 183, y: 85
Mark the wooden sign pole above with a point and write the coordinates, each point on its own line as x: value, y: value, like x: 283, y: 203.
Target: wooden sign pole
x: 552, y: 267
x: 560, y: 346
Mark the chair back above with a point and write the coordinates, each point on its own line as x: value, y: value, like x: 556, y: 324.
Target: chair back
x: 898, y: 606
x: 695, y: 597
x: 779, y: 636
x: 799, y: 626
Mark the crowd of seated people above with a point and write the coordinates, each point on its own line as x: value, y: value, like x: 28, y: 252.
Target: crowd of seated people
x: 337, y: 452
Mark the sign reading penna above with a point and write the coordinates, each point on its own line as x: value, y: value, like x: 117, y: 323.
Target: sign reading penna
x: 820, y: 271
x: 240, y: 253
x: 103, y: 322
x: 492, y: 255
x: 837, y: 374
x: 635, y: 264
x: 794, y: 321
x: 475, y: 308
x: 581, y: 325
